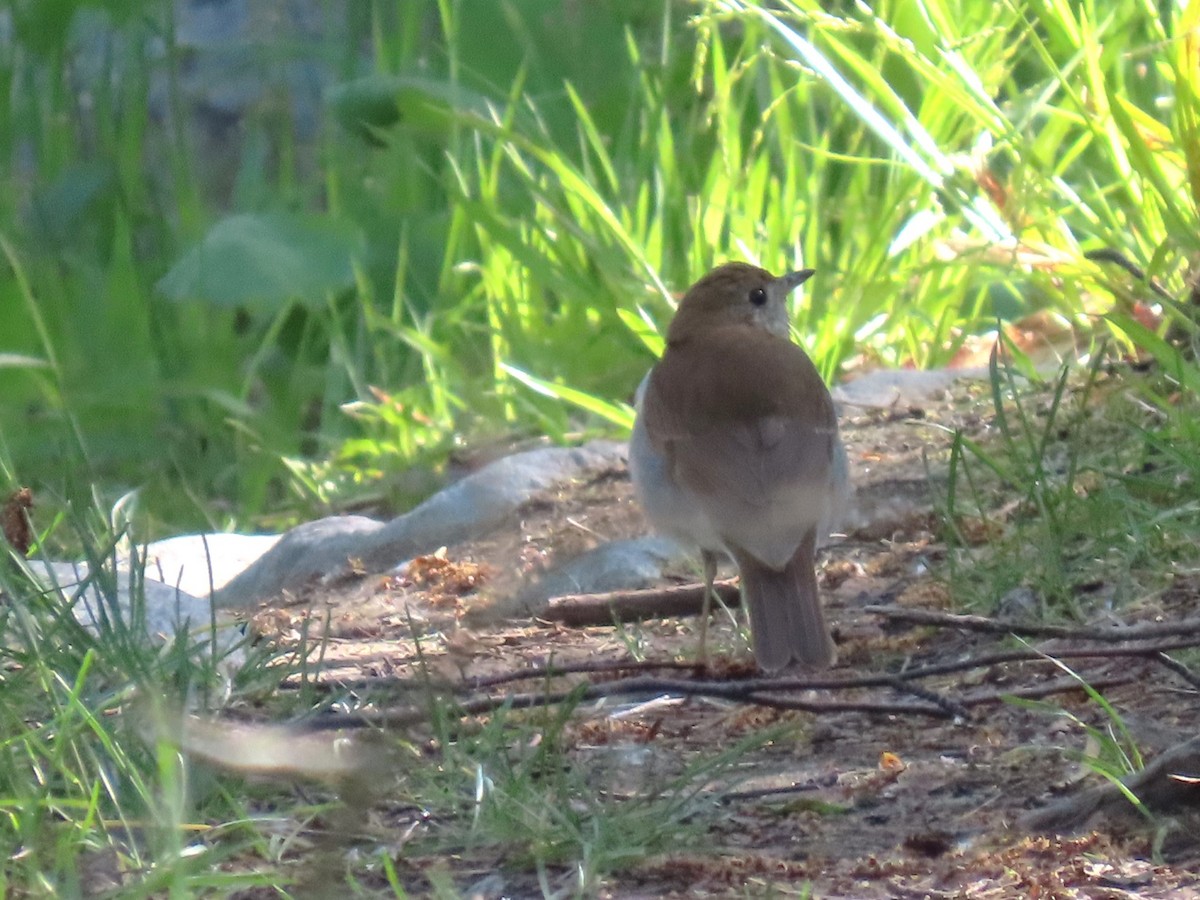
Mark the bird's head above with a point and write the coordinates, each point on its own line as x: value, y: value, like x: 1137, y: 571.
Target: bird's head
x: 737, y: 294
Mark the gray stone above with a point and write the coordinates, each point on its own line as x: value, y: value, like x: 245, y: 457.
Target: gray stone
x: 615, y: 566
x: 130, y: 602
x: 202, y: 563
x: 468, y: 509
x: 902, y: 387
x: 301, y: 556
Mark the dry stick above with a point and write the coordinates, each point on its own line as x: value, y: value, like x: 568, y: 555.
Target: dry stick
x: 1157, y: 786
x: 601, y: 609
x: 765, y: 793
x: 1039, y: 654
x: 615, y: 667
x: 1178, y: 668
x: 738, y: 692
x: 984, y: 624
x: 630, y: 606
x: 533, y: 673
x: 1061, y: 686
x: 974, y: 662
x: 1112, y: 255
x: 880, y: 680
x: 952, y: 707
x: 602, y: 667
x: 764, y: 691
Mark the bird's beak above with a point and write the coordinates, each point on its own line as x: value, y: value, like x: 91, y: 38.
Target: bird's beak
x: 793, y: 280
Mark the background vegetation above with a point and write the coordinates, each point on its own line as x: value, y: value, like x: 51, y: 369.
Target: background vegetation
x: 477, y: 232
x: 492, y: 203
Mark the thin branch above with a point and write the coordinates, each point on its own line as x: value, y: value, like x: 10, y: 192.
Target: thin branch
x: 617, y: 667
x: 783, y: 790
x: 1060, y: 686
x: 952, y: 707
x: 1114, y: 634
x: 632, y: 606
x: 1000, y: 657
x: 602, y: 667
x: 738, y: 692
x: 1112, y: 255
x: 614, y: 667
x: 1157, y: 787
x: 1178, y: 668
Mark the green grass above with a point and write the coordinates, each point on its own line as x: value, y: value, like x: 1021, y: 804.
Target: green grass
x: 1089, y: 478
x: 100, y: 793
x: 484, y: 236
x: 85, y: 795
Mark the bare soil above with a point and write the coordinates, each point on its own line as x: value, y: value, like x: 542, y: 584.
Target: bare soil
x: 848, y: 804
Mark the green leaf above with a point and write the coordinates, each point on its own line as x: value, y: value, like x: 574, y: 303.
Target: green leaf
x: 1170, y: 358
x: 641, y: 325
x: 618, y: 413
x: 1187, y: 93
x: 266, y: 260
x: 21, y: 361
x: 375, y: 103
x: 58, y: 210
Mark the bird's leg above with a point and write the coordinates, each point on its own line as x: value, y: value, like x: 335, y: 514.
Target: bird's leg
x: 710, y: 575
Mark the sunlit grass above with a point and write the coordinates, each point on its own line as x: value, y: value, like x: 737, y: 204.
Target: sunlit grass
x: 100, y: 791
x: 1088, y: 500
x: 89, y: 799
x: 490, y: 225
x: 528, y: 216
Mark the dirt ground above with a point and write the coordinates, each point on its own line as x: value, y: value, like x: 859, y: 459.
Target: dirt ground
x: 855, y: 803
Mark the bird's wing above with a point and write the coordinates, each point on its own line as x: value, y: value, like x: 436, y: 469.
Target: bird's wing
x: 749, y: 429
x: 754, y: 461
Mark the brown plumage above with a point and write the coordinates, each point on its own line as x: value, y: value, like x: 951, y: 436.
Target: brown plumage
x: 743, y: 430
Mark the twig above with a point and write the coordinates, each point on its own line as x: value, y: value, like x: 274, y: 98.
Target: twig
x: 952, y: 707
x: 481, y: 682
x: 1059, y: 686
x: 1157, y: 786
x: 738, y: 692
x: 763, y: 793
x: 1116, y: 257
x: 604, y: 667
x: 615, y: 667
x: 1178, y: 668
x: 1001, y: 657
x: 749, y: 692
x: 630, y: 606
x: 987, y: 625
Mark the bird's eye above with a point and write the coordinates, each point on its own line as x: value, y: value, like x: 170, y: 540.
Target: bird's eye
x: 758, y: 296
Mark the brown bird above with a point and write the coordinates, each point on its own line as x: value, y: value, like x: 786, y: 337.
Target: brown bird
x: 735, y: 449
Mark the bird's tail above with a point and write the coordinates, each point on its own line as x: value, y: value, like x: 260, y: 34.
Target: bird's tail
x: 786, y: 621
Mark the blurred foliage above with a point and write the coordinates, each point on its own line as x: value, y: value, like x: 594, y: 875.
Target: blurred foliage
x: 250, y: 299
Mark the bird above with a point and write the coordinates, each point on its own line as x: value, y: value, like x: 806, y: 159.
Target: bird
x: 735, y: 449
